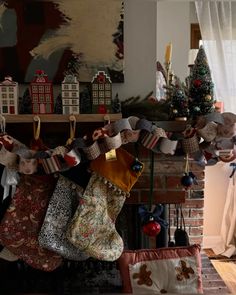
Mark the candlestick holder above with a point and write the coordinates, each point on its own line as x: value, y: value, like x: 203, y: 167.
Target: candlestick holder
x: 168, y: 74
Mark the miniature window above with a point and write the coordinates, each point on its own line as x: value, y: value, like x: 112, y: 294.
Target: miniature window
x: 48, y: 107
x: 107, y: 86
x: 107, y: 93
x: 41, y: 89
x: 66, y: 110
x: 66, y: 101
x: 74, y: 94
x: 4, y: 89
x: 66, y: 94
x: 48, y: 98
x: 75, y: 101
x: 34, y: 89
x: 41, y: 98
x: 107, y: 101
x: 4, y: 95
x: 12, y: 101
x: 4, y: 102
x: 95, y: 94
x: 11, y: 89
x: 35, y: 108
x: 101, y: 101
x: 95, y: 101
x: 101, y: 86
x: 47, y: 89
x: 11, y: 95
x: 95, y: 86
x: 66, y: 87
x: 35, y: 97
x: 101, y: 94
x: 73, y: 87
x: 5, y: 109
x: 75, y: 109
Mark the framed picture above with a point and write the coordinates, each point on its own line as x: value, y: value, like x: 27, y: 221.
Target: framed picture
x: 61, y: 36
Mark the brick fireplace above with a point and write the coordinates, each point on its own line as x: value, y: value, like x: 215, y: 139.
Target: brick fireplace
x: 168, y: 171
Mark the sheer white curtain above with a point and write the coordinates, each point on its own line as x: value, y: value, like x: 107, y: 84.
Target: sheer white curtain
x: 217, y: 20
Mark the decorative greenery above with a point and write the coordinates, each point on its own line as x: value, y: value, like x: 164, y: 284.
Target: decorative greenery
x: 177, y: 94
x: 149, y: 108
x: 201, y: 101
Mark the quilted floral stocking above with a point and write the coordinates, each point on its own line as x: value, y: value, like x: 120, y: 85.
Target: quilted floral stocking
x: 93, y: 226
x: 92, y: 230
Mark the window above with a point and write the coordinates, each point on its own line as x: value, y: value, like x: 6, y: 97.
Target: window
x: 65, y: 87
x: 4, y: 89
x: 74, y: 87
x: 35, y: 98
x: 47, y: 89
x: 5, y: 109
x: 75, y: 101
x: 48, y: 108
x: 34, y: 89
x: 95, y: 94
x: 107, y: 101
x: 66, y: 102
x: 11, y: 89
x: 11, y: 101
x: 4, y: 95
x: 66, y: 110
x: 101, y: 86
x: 107, y: 86
x: 101, y: 94
x: 75, y: 109
x: 95, y: 87
x: 107, y: 94
x: 47, y: 98
x: 95, y: 101
x: 11, y: 95
x: 41, y: 89
x: 4, y: 102
x: 41, y: 98
x: 35, y: 108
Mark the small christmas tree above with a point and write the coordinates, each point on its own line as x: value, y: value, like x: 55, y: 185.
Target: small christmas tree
x: 201, y: 101
x: 178, y: 100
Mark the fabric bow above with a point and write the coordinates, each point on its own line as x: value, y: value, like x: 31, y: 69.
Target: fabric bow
x: 146, y: 215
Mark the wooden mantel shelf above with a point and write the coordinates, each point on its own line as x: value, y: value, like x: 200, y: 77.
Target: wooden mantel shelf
x: 58, y: 118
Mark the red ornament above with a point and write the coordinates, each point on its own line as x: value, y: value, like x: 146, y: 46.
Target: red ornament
x: 197, y: 83
x: 151, y: 228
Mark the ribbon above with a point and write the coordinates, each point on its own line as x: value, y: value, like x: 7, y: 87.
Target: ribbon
x: 9, y: 180
x: 147, y: 215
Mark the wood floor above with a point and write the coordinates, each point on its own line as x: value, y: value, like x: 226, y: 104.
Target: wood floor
x: 226, y: 268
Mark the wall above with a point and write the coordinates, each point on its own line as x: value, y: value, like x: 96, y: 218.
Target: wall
x: 173, y: 26
x: 139, y: 50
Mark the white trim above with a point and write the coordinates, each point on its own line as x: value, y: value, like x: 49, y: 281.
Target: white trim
x: 210, y: 242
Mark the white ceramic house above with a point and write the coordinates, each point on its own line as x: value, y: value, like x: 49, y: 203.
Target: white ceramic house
x: 9, y: 94
x: 70, y: 95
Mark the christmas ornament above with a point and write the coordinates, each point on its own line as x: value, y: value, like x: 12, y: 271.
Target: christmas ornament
x: 188, y: 179
x: 197, y: 83
x: 151, y: 220
x: 137, y: 166
x: 208, y: 97
x: 152, y: 228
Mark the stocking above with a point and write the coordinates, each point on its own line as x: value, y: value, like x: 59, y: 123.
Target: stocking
x: 93, y: 226
x: 92, y: 230
x: 61, y: 208
x: 22, y: 221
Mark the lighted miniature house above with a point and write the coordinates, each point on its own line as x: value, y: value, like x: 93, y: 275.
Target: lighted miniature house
x: 101, y: 93
x: 9, y: 94
x: 70, y: 95
x: 41, y: 93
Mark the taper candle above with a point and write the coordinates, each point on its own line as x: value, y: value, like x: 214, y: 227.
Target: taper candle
x: 168, y: 53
